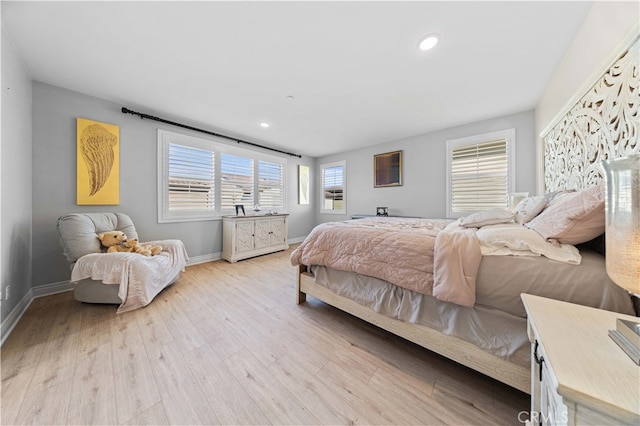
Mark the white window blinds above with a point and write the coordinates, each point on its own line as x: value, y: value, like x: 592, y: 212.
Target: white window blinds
x: 333, y: 188
x: 201, y: 179
x: 480, y: 174
x: 191, y: 178
x: 236, y: 186
x: 270, y: 189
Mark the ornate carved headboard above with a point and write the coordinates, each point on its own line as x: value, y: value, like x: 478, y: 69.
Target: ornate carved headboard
x: 602, y: 124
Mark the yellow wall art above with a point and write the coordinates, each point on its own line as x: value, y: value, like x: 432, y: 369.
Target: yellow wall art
x: 98, y: 163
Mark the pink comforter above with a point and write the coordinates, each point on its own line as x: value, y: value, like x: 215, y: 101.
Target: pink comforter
x: 429, y: 256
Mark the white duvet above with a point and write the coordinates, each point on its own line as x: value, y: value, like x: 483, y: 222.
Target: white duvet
x: 140, y: 278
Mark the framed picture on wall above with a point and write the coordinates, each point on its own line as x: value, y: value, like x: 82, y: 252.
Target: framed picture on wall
x: 303, y: 184
x: 387, y: 169
x: 98, y: 163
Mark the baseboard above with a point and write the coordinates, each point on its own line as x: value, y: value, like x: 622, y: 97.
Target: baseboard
x: 14, y: 316
x: 9, y: 323
x: 296, y: 240
x: 53, y: 288
x: 204, y: 258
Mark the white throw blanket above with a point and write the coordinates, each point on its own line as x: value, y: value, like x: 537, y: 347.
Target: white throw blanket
x: 140, y: 278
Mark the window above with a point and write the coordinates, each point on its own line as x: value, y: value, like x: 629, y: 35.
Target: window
x: 270, y: 189
x: 480, y: 172
x: 191, y: 178
x: 334, y: 188
x: 236, y: 183
x: 202, y: 179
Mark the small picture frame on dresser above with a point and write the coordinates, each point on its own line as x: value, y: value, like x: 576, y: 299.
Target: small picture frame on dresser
x: 240, y: 208
x: 382, y: 211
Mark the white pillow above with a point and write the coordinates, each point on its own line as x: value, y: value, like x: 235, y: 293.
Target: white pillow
x: 529, y: 208
x: 574, y: 218
x: 517, y: 240
x: 487, y: 217
x: 552, y: 197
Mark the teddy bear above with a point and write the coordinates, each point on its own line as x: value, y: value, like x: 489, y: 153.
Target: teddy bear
x: 111, y: 240
x: 146, y: 249
x: 132, y: 246
x: 117, y: 242
x: 153, y: 248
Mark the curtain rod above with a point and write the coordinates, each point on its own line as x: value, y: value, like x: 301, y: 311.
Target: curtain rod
x: 173, y: 123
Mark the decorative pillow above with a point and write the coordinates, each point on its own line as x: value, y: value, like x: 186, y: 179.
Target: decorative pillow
x: 487, y: 217
x: 574, y: 218
x: 529, y: 208
x: 517, y: 240
x: 552, y: 197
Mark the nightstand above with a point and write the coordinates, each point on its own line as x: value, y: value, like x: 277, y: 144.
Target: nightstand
x: 579, y: 375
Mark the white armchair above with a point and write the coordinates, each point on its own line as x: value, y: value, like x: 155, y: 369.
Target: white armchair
x: 128, y: 279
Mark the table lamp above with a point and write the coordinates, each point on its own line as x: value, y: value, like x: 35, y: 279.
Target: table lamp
x: 622, y: 207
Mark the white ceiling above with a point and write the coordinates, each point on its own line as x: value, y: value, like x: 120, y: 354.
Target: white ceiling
x: 353, y: 68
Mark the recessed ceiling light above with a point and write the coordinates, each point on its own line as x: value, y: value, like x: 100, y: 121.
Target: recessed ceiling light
x: 290, y: 98
x: 428, y: 42
x: 264, y: 125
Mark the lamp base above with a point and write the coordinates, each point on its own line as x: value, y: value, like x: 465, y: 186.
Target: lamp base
x: 627, y: 336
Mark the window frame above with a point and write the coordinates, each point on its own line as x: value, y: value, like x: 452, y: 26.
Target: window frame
x: 343, y: 210
x: 509, y: 135
x: 218, y: 147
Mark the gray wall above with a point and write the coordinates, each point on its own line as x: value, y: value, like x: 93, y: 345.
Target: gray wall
x: 45, y: 168
x: 15, y: 179
x: 54, y: 179
x: 424, y: 170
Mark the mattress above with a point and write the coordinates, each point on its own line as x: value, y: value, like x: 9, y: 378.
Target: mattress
x: 501, y: 280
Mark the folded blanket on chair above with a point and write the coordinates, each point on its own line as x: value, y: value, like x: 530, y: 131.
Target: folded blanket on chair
x: 140, y: 278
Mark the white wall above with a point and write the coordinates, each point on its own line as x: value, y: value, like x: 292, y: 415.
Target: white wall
x: 599, y: 40
x: 16, y: 248
x: 423, y: 193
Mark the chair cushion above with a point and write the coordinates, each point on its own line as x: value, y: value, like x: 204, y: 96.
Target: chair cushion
x: 79, y: 232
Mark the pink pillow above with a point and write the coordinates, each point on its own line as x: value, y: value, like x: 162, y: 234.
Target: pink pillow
x: 573, y: 219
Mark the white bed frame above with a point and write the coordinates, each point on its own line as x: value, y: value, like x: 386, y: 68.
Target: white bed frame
x: 451, y: 347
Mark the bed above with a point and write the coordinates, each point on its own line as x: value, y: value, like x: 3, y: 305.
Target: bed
x: 489, y: 334
x: 480, y: 321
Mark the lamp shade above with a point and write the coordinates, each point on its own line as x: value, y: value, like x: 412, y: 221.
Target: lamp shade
x: 622, y: 207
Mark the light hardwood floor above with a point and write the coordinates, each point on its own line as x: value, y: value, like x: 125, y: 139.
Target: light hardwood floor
x: 227, y: 344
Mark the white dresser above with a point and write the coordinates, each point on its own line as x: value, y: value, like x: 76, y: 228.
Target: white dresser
x: 579, y: 375
x: 249, y: 236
